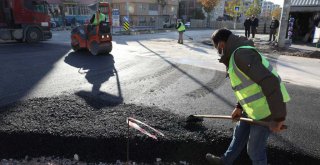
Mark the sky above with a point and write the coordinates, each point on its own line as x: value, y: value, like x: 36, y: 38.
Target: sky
x: 279, y: 2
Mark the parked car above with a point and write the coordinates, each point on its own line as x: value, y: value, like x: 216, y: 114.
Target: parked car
x: 188, y: 25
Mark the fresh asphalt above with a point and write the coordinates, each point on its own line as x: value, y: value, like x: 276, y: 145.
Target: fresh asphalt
x: 152, y: 70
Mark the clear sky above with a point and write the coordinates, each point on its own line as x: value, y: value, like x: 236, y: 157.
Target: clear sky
x: 279, y: 2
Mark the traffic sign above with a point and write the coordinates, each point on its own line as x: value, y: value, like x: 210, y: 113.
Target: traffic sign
x: 237, y: 8
x: 126, y: 25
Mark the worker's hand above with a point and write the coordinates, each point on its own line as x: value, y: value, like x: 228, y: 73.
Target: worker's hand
x: 236, y: 114
x: 276, y: 126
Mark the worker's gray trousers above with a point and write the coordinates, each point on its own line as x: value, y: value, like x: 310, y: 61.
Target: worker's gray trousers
x: 180, y: 38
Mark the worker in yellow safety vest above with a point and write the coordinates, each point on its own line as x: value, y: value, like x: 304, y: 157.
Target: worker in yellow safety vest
x: 181, y: 28
x: 260, y: 93
x: 97, y: 18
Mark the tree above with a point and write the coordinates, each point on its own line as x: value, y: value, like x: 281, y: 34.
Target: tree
x: 208, y: 6
x: 276, y: 13
x: 254, y: 9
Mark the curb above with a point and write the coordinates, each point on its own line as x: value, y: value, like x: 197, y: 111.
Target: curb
x: 142, y: 32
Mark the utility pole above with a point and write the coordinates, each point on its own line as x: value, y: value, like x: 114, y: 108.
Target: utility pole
x: 127, y: 4
x: 284, y: 23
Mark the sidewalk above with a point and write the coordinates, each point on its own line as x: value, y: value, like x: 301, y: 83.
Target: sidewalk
x: 262, y: 43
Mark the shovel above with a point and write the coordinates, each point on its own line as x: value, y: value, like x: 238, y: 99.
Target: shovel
x: 196, y: 119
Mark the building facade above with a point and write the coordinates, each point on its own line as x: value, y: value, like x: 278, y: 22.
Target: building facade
x: 77, y: 10
x: 190, y: 9
x: 153, y: 13
x: 306, y: 15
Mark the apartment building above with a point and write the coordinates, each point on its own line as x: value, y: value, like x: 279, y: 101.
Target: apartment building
x: 73, y: 9
x: 267, y: 8
x: 147, y: 12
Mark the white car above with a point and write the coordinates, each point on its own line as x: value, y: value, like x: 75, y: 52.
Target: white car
x: 187, y: 25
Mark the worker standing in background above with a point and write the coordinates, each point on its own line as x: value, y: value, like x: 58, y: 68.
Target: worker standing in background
x: 181, y: 29
x: 260, y: 93
x: 97, y: 18
x: 254, y: 25
x: 247, y: 24
x: 273, y: 28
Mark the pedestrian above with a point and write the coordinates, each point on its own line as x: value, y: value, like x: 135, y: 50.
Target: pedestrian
x: 181, y: 28
x: 260, y: 94
x: 254, y: 25
x: 273, y: 28
x: 247, y: 24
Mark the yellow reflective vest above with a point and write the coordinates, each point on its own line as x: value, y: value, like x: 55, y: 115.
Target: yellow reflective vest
x: 182, y: 28
x: 248, y: 93
x: 101, y: 17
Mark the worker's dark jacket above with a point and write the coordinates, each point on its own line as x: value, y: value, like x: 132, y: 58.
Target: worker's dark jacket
x: 249, y: 62
x: 274, y: 24
x: 247, y: 24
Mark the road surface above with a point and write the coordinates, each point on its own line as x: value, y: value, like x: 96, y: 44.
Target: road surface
x: 153, y: 70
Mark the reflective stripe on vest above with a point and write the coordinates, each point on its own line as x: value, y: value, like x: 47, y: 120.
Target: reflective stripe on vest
x: 248, y: 93
x: 101, y: 17
x: 182, y: 27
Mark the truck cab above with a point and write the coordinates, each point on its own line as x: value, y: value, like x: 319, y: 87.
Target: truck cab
x: 24, y: 20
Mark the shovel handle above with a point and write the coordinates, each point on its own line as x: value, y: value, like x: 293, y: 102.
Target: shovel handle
x: 251, y: 121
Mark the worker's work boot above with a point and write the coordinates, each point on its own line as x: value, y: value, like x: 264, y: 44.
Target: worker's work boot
x: 214, y: 160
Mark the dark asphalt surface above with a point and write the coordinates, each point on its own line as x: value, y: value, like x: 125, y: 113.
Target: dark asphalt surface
x: 77, y: 103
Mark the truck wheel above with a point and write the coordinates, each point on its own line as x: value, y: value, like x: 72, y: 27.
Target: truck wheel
x: 33, y: 35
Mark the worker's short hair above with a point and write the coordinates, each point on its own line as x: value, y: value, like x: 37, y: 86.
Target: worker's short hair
x: 220, y: 35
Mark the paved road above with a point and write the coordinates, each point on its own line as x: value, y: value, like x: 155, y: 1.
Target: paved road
x: 154, y: 70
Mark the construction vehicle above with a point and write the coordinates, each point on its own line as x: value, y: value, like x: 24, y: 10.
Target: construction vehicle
x: 24, y: 20
x: 97, y: 39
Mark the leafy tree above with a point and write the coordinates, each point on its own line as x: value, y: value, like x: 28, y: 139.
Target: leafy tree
x: 254, y: 9
x: 230, y: 8
x: 208, y: 6
x: 276, y: 13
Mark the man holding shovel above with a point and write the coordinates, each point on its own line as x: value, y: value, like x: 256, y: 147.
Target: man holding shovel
x: 260, y: 93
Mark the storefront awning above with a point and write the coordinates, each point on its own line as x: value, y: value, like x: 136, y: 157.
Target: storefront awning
x: 305, y: 5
